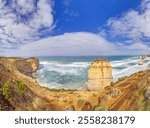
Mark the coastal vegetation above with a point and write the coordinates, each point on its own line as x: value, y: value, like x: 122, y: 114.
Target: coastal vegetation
x: 22, y: 87
x: 20, y: 91
x: 6, y: 91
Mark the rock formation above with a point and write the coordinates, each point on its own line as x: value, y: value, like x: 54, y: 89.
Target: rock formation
x: 20, y: 91
x: 99, y: 75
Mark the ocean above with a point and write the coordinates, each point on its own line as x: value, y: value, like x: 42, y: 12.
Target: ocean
x: 72, y: 72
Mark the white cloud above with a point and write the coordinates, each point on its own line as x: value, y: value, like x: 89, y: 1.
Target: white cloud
x: 15, y: 30
x: 79, y: 43
x: 138, y: 46
x: 21, y: 20
x: 134, y: 24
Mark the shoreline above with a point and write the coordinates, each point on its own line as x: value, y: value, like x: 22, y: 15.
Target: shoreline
x: 118, y: 96
x: 48, y: 65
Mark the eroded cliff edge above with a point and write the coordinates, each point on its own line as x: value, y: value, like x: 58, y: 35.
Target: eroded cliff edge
x: 20, y: 91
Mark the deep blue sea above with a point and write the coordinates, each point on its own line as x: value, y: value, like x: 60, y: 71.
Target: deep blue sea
x: 71, y: 72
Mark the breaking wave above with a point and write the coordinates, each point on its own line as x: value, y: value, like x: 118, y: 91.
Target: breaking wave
x: 72, y: 74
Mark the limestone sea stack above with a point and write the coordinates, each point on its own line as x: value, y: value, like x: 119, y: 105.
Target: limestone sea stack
x: 99, y: 75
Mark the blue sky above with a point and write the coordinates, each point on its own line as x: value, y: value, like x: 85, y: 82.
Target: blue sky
x: 74, y: 27
x: 88, y: 15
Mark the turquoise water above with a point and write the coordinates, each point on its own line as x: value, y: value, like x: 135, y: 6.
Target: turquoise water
x: 71, y: 72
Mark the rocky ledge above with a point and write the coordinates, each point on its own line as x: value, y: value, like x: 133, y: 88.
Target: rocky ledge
x: 20, y: 91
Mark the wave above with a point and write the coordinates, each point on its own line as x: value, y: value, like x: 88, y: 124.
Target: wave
x: 73, y: 64
x: 130, y: 69
x: 126, y: 62
x: 74, y: 74
x: 62, y: 68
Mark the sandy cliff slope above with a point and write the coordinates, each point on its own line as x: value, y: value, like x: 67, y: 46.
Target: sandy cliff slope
x: 20, y: 91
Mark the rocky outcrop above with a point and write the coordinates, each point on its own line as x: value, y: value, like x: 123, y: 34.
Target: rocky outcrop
x: 20, y: 91
x: 17, y: 87
x: 27, y: 66
x: 99, y: 75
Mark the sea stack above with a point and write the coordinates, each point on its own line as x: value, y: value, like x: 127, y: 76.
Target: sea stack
x: 99, y: 75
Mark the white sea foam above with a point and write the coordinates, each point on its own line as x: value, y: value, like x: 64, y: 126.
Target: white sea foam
x: 117, y: 73
x: 121, y: 67
x: 73, y: 75
x: 73, y: 64
x: 71, y: 68
x: 124, y: 62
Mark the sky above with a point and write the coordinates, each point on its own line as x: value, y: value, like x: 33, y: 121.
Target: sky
x: 74, y: 27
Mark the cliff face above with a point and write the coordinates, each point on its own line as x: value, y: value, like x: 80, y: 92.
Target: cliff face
x: 20, y: 91
x: 18, y: 88
x: 99, y: 75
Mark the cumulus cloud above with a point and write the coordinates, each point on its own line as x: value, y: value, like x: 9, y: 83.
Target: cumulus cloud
x: 134, y: 24
x: 22, y: 21
x: 133, y: 28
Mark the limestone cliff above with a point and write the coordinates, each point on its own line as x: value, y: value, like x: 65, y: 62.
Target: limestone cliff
x: 18, y: 88
x: 20, y: 91
x: 99, y: 75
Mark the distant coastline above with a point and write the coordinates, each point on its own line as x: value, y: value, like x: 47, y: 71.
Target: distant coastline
x: 18, y: 91
x: 63, y: 72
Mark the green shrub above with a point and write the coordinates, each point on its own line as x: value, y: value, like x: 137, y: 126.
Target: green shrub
x: 5, y: 91
x: 140, y: 102
x: 80, y: 102
x: 94, y: 95
x: 147, y: 105
x: 22, y: 87
x: 100, y: 108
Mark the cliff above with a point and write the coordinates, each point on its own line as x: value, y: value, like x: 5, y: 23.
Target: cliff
x: 20, y: 91
x: 99, y: 75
